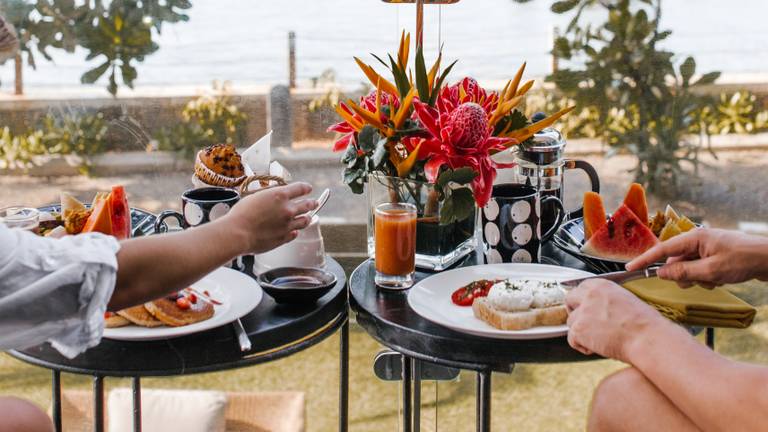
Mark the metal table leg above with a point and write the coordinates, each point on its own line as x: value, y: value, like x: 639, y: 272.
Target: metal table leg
x: 416, y: 395
x: 56, y: 398
x: 711, y: 337
x: 484, y: 401
x: 344, y: 378
x: 407, y: 418
x: 98, y: 403
x: 136, y: 384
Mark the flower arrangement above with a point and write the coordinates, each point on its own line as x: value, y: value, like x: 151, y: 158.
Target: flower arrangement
x: 420, y: 128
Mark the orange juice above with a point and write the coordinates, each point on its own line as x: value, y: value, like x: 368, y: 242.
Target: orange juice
x: 395, y: 232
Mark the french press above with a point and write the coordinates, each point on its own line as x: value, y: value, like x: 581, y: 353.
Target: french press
x: 542, y: 165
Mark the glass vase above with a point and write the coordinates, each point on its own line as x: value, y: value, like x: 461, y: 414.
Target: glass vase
x: 437, y: 246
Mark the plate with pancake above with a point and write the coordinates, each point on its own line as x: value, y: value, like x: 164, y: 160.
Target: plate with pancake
x: 233, y: 295
x: 501, y: 301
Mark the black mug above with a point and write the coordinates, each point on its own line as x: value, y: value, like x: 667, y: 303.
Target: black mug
x: 512, y: 224
x: 199, y: 206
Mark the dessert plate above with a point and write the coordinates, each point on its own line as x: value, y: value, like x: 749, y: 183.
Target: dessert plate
x: 431, y: 298
x: 238, y: 293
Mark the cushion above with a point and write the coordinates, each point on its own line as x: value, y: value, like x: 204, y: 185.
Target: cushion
x: 168, y: 410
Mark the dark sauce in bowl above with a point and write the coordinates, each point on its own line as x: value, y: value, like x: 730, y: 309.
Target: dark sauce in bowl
x: 297, y: 282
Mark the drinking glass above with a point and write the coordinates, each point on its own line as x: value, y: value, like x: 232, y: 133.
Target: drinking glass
x: 395, y: 238
x: 20, y: 217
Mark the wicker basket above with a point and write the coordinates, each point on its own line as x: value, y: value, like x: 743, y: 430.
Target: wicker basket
x: 264, y: 181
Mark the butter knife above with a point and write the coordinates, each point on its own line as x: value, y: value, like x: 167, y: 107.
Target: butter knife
x: 618, y: 277
x: 242, y: 336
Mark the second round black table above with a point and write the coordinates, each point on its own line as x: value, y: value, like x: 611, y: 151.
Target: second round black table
x: 388, y: 318
x: 275, y: 331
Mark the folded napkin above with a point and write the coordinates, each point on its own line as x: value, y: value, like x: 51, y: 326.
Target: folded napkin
x: 694, y: 306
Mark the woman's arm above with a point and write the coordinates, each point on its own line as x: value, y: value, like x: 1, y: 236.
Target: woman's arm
x: 150, y: 267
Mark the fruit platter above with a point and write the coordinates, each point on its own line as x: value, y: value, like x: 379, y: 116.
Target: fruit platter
x: 606, y: 242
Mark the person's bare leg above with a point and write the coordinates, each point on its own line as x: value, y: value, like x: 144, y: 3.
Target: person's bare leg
x: 626, y: 401
x: 19, y: 415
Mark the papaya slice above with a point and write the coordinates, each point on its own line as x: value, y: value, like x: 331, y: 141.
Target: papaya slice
x: 100, y: 219
x: 636, y: 202
x: 594, y: 214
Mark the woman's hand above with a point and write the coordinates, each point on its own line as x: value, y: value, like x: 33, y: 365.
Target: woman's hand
x: 708, y: 257
x: 605, y: 318
x: 270, y: 218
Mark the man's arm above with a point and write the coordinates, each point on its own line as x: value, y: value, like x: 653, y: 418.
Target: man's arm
x: 150, y: 267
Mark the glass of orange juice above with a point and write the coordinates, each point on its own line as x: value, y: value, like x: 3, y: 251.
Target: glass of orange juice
x: 395, y: 238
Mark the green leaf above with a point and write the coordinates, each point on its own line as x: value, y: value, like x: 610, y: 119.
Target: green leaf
x: 94, y: 74
x: 129, y: 74
x: 439, y: 83
x: 112, y: 86
x: 367, y: 138
x: 687, y: 69
x: 461, y: 176
x: 458, y: 205
x: 422, y: 81
x: 562, y: 48
x: 381, y: 152
x: 563, y: 6
x: 707, y: 78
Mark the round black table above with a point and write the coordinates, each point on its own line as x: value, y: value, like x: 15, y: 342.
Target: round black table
x: 386, y: 316
x: 275, y: 331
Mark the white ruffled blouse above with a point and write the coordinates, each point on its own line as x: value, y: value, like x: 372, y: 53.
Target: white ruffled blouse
x: 54, y: 290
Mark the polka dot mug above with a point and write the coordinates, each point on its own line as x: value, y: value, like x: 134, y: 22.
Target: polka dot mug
x: 199, y: 206
x: 512, y: 224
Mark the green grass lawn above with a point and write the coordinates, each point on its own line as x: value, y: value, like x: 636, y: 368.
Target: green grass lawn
x: 532, y: 398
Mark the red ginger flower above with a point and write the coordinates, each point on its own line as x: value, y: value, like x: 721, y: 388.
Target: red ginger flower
x: 369, y: 104
x: 459, y: 138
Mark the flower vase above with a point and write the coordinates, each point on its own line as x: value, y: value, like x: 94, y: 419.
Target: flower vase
x: 437, y: 246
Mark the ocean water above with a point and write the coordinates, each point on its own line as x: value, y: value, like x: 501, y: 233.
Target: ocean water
x: 245, y: 41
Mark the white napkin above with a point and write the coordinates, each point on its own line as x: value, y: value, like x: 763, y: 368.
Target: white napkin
x: 256, y: 159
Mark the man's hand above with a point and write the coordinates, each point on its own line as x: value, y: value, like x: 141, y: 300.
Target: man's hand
x: 708, y: 257
x: 270, y: 218
x: 605, y: 318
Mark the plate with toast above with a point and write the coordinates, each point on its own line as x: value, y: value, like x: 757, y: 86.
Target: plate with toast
x: 502, y: 301
x: 217, y: 299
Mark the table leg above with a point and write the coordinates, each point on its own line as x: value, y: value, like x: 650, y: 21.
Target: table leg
x: 136, y: 384
x: 344, y: 378
x: 711, y: 338
x: 416, y: 395
x: 484, y: 401
x: 407, y: 418
x: 56, y: 398
x: 98, y: 403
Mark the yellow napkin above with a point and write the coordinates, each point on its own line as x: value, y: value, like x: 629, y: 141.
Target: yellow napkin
x: 695, y: 305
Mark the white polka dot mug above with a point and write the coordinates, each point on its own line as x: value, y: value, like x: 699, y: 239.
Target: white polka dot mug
x: 199, y: 206
x: 512, y: 224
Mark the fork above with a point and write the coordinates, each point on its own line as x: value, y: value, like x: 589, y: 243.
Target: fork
x: 242, y: 336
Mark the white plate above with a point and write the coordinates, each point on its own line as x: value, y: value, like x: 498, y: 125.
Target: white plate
x: 431, y: 298
x: 238, y: 293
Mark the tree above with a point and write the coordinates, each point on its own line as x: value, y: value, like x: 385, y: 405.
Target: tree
x: 118, y: 33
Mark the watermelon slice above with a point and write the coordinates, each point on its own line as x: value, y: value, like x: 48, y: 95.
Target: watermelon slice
x: 636, y: 202
x: 594, y: 214
x: 622, y: 238
x: 120, y: 213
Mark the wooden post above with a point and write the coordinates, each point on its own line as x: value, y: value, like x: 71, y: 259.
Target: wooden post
x: 555, y: 60
x: 419, y: 23
x: 292, y: 60
x: 19, y: 70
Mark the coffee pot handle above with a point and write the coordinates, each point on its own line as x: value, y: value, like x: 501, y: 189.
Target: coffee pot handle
x: 161, y: 227
x: 594, y: 181
x: 560, y: 216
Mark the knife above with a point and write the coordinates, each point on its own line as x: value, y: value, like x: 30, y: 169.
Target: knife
x: 617, y: 277
x: 242, y: 336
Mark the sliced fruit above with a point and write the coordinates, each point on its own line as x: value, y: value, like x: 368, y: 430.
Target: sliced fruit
x: 658, y: 222
x: 622, y: 238
x: 670, y: 213
x: 670, y: 230
x: 594, y: 214
x: 69, y: 202
x: 685, y: 224
x: 100, y: 219
x: 74, y: 220
x: 120, y: 213
x: 636, y: 202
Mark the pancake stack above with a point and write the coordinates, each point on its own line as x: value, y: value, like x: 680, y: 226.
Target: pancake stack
x: 165, y: 311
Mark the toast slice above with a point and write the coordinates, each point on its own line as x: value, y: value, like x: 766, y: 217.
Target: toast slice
x: 548, y: 316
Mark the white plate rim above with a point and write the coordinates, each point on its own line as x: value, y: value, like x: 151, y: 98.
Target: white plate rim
x: 239, y: 292
x: 450, y: 280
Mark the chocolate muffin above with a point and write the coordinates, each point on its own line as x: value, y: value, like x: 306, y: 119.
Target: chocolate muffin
x: 219, y: 165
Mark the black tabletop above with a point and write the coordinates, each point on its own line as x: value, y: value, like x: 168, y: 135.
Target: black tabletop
x: 275, y: 332
x: 386, y: 316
